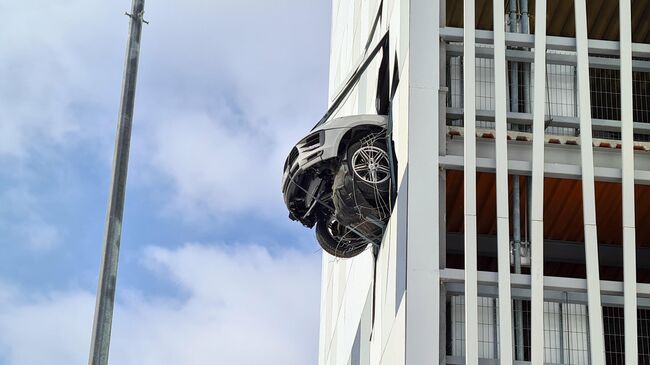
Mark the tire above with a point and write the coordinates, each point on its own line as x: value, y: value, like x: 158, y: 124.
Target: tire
x: 336, y: 246
x: 374, y: 160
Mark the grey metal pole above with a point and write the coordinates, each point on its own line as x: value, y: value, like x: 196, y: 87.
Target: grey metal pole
x: 526, y: 66
x: 516, y: 232
x: 524, y: 17
x: 516, y: 222
x: 103, y: 320
x: 516, y: 214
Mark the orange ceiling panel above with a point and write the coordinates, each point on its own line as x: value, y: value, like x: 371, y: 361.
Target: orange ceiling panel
x: 602, y: 18
x: 563, y: 220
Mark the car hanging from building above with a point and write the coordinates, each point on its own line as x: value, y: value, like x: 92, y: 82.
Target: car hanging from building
x: 338, y: 179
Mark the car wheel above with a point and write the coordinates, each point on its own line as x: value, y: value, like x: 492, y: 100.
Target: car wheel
x: 369, y: 163
x: 338, y: 241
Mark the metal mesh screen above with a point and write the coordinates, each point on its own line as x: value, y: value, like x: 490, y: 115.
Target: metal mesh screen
x: 560, y: 91
x: 643, y: 328
x: 553, y: 333
x: 605, y: 92
x: 576, y: 333
x: 641, y: 95
x: 455, y: 82
x: 614, y: 327
x: 614, y: 335
x: 565, y: 331
x: 561, y: 94
x: 488, y: 338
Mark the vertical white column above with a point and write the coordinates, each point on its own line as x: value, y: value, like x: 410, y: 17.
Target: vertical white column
x: 537, y: 189
x: 422, y: 253
x: 596, y: 337
x: 503, y: 225
x: 471, y: 290
x: 627, y: 149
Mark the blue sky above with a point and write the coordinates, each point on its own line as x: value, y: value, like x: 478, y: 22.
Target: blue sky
x: 211, y: 267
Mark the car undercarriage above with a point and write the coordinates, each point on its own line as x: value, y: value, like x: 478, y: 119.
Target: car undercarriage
x: 349, y: 197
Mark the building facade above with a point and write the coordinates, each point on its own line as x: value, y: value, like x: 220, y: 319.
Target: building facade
x: 521, y: 229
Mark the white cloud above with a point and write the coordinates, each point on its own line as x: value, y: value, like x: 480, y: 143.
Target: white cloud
x: 22, y: 221
x: 215, y: 168
x: 236, y: 88
x: 48, y: 330
x: 56, y: 67
x: 225, y: 88
x: 248, y: 75
x: 238, y: 305
x: 39, y: 236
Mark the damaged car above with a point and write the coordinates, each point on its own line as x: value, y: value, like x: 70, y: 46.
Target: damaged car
x: 340, y: 177
x: 338, y: 180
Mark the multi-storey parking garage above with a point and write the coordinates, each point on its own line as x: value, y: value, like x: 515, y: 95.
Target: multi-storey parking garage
x: 521, y: 228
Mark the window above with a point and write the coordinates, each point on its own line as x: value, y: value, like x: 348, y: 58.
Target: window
x: 565, y: 331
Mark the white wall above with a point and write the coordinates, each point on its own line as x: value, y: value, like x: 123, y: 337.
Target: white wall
x: 350, y: 294
x: 347, y: 284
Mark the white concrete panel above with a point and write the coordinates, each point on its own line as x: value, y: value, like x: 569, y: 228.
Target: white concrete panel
x: 358, y: 285
x: 330, y: 349
x: 334, y: 39
x: 388, y: 332
x: 503, y: 221
x: 630, y: 295
x: 394, y: 351
x: 400, y: 129
x: 365, y: 330
x: 353, y: 278
x: 384, y: 293
x: 369, y: 11
x: 344, y: 281
x: 422, y: 278
x: 596, y: 335
x: 471, y: 289
x: 376, y: 343
x: 400, y: 120
x: 389, y: 285
x: 471, y: 293
x: 627, y: 155
x: 399, y: 259
x: 562, y: 162
x: 400, y: 26
x: 537, y: 189
x: 537, y: 290
x: 424, y: 44
x: 357, y: 30
x: 423, y: 293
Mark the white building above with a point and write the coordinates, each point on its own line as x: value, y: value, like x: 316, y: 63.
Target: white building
x: 570, y: 278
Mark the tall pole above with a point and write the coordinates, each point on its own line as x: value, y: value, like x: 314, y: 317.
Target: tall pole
x: 103, y: 320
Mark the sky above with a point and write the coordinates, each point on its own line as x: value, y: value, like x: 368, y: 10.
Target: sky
x: 211, y: 269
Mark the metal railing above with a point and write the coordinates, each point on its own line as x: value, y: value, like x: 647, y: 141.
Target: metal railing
x: 560, y: 99
x: 566, y: 332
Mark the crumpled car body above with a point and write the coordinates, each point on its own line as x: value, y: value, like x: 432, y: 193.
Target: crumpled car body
x: 338, y: 179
